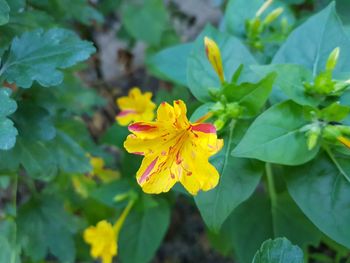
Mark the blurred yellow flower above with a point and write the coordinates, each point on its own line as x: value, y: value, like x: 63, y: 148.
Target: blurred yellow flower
x: 103, y: 241
x: 214, y: 56
x: 135, y: 107
x: 174, y: 150
x: 99, y: 170
x: 103, y: 237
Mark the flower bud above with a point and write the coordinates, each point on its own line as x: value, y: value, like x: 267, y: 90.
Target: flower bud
x: 273, y: 15
x: 213, y: 54
x: 333, y: 59
x: 312, y: 137
x: 234, y: 110
x: 344, y: 141
x: 220, y: 123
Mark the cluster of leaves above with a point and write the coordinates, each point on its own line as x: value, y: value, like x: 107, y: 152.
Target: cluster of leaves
x: 306, y: 173
x: 272, y: 183
x: 52, y: 188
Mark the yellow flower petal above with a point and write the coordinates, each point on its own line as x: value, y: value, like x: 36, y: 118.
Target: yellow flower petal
x: 174, y: 150
x: 135, y: 107
x: 103, y: 241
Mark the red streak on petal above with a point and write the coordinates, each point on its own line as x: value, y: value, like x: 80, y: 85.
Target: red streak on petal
x: 125, y: 112
x: 146, y: 173
x: 139, y: 153
x: 204, y: 127
x: 139, y: 126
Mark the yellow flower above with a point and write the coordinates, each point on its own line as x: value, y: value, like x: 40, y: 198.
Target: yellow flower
x: 103, y: 241
x: 99, y: 170
x: 174, y: 150
x: 213, y: 54
x: 135, y: 107
x: 344, y: 141
x: 104, y: 237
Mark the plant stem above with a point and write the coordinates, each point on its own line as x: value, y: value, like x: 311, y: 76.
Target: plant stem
x: 271, y: 184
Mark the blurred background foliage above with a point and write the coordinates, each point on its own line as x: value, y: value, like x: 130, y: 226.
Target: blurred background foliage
x: 50, y: 191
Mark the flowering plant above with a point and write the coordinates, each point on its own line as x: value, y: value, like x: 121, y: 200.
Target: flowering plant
x: 247, y: 127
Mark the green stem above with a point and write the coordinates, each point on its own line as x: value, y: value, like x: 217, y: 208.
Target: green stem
x: 119, y: 223
x: 334, y: 160
x: 271, y: 184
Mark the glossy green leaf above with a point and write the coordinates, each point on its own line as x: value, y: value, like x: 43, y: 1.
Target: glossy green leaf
x: 171, y: 63
x: 322, y: 192
x: 150, y: 14
x: 319, y: 35
x: 45, y: 227
x: 251, y: 96
x: 238, y: 180
x: 200, y: 74
x: 290, y: 79
x: 143, y: 232
x: 40, y: 56
x: 4, y: 12
x: 278, y: 250
x: 277, y: 139
x: 8, y: 132
x: 257, y: 215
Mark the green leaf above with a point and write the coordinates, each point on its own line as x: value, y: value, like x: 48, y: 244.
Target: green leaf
x: 238, y: 180
x: 8, y: 132
x: 278, y: 250
x: 24, y: 21
x: 4, y: 12
x: 320, y: 34
x: 335, y: 112
x: 115, y: 135
x: 323, y: 194
x: 70, y: 157
x: 44, y: 226
x: 36, y: 158
x: 290, y: 79
x: 171, y: 63
x: 200, y: 74
x: 258, y: 216
x: 8, y: 242
x: 40, y: 55
x: 72, y: 96
x: 143, y: 232
x: 150, y: 14
x: 33, y: 122
x: 66, y: 10
x: 252, y: 96
x: 277, y: 139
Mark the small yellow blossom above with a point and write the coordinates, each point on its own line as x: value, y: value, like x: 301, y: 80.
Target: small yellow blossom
x: 103, y: 241
x: 135, y: 107
x: 103, y: 237
x: 213, y: 54
x: 99, y: 170
x: 174, y: 150
x: 344, y: 141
